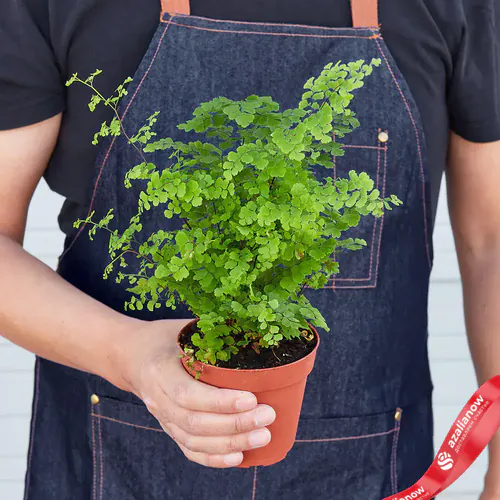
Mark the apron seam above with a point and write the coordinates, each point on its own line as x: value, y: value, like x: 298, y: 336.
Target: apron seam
x: 375, y: 233
x: 113, y: 142
x: 97, y: 455
x: 244, y: 32
x: 122, y: 422
x: 394, y: 458
x: 254, y: 488
x: 101, y: 463
x: 347, y: 438
x: 419, y: 149
x: 94, y: 460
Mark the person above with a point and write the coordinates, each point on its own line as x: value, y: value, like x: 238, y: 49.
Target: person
x: 115, y: 416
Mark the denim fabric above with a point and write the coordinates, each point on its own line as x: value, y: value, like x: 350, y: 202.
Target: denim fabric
x: 373, y: 361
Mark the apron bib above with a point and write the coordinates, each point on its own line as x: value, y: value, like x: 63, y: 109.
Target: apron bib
x: 366, y: 426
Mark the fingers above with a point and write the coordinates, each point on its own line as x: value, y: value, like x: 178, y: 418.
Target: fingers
x: 220, y: 445
x: 192, y: 394
x: 200, y: 423
x: 212, y: 426
x: 214, y: 461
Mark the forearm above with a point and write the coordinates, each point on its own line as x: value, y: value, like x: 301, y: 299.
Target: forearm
x: 43, y: 313
x: 481, y: 284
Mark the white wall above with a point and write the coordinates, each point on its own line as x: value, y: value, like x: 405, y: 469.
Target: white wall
x: 452, y: 370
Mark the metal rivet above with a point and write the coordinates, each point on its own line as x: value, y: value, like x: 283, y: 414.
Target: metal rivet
x: 94, y: 399
x: 383, y: 137
x: 399, y: 415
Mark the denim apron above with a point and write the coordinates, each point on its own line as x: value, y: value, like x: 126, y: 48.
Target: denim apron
x: 366, y: 425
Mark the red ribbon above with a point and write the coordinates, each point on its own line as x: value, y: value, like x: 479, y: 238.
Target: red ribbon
x: 471, y: 432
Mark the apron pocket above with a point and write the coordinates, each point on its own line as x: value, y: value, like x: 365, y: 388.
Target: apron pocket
x: 360, y: 269
x: 351, y: 458
x: 134, y: 459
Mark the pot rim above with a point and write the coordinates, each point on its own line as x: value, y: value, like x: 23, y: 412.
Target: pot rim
x: 248, y: 370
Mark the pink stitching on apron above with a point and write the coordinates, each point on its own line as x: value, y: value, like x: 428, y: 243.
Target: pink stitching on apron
x: 33, y: 426
x: 254, y: 489
x: 383, y: 216
x: 127, y: 423
x: 354, y: 287
x: 302, y: 35
x: 373, y: 233
x: 334, y: 286
x: 419, y: 149
x: 394, y: 464
x: 287, y: 25
x: 94, y: 461
x: 354, y: 146
x: 101, y: 464
x: 106, y: 158
x: 350, y: 438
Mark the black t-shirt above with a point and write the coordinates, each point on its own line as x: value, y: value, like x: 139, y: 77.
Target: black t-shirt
x: 448, y: 51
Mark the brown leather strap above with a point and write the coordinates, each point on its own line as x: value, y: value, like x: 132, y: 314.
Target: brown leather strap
x: 176, y: 6
x: 364, y: 13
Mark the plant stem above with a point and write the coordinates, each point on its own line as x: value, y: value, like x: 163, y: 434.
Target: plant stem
x: 118, y: 117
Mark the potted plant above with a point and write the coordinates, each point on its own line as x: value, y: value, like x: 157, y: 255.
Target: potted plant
x: 258, y: 228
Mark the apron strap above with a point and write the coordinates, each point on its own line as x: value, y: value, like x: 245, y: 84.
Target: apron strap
x: 176, y: 6
x: 364, y: 13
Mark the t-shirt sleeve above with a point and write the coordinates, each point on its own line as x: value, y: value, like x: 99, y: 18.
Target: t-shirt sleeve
x: 31, y: 88
x: 474, y: 89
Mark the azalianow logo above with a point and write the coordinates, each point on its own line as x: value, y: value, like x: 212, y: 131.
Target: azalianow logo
x: 445, y: 461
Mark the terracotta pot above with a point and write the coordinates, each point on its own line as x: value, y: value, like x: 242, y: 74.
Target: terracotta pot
x: 281, y: 388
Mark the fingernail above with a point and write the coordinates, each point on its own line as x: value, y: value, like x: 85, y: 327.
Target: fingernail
x: 260, y: 438
x: 246, y: 402
x: 264, y: 415
x: 233, y: 459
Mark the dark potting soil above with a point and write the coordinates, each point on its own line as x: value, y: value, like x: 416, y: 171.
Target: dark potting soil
x: 247, y: 358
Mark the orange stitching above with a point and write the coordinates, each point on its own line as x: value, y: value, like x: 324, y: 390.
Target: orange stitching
x: 335, y: 280
x: 101, y: 462
x: 382, y: 220
x: 419, y: 150
x: 350, y: 438
x: 354, y: 287
x: 128, y: 423
x: 254, y: 490
x: 108, y: 153
x: 287, y: 25
x: 334, y: 158
x: 373, y: 235
x: 237, y: 32
x: 33, y: 427
x: 394, y: 464
x: 356, y: 146
x: 94, y: 460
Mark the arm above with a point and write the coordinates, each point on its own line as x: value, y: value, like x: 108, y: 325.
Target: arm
x: 473, y: 177
x: 40, y: 312
x: 27, y: 285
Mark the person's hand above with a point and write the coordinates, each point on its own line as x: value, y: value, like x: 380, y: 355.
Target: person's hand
x: 211, y: 426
